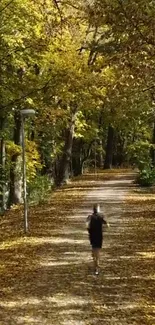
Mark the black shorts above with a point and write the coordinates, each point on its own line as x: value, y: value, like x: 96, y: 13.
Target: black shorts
x: 96, y: 242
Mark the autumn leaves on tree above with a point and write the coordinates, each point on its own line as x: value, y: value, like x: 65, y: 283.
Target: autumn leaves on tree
x: 88, y: 71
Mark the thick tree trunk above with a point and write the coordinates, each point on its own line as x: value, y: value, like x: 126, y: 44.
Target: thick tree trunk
x: 120, y: 151
x: 81, y: 153
x: 65, y: 162
x: 77, y: 166
x: 2, y: 167
x: 15, y: 195
x: 109, y: 148
x: 77, y: 157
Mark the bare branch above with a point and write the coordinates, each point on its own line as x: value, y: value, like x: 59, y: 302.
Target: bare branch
x: 149, y: 88
x: 71, y: 5
x: 7, y: 5
x: 58, y: 8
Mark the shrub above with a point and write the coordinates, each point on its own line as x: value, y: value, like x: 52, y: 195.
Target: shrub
x: 139, y: 154
x: 146, y: 177
x: 39, y: 189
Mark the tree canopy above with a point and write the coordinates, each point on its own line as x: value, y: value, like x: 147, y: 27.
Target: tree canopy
x: 88, y: 71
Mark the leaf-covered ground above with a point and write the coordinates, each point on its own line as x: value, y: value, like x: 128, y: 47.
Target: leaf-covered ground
x: 47, y: 277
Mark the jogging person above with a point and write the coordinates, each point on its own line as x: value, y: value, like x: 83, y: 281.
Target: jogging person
x: 95, y: 223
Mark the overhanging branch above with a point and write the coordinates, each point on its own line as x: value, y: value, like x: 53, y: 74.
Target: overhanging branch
x: 7, y: 5
x: 17, y: 100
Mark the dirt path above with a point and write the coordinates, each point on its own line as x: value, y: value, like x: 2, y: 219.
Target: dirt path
x: 61, y: 289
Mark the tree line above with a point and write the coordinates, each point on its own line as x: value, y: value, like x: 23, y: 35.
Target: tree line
x: 87, y: 69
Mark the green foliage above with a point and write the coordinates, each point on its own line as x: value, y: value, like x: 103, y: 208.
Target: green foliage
x: 55, y: 57
x: 39, y: 189
x: 139, y: 154
x: 146, y: 177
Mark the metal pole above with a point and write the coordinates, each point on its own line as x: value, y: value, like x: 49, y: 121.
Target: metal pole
x: 24, y: 178
x: 95, y: 157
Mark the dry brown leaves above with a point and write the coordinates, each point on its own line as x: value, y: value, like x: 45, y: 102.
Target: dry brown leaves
x: 46, y: 277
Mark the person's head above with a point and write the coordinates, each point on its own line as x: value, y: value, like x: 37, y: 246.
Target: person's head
x: 96, y: 208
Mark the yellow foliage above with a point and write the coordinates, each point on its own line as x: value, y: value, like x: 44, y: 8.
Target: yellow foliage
x: 12, y: 149
x: 33, y: 162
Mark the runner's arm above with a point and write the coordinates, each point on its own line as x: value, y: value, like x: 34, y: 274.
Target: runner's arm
x: 105, y: 222
x: 88, y: 222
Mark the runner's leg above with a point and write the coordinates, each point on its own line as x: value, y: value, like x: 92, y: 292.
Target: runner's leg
x: 95, y: 255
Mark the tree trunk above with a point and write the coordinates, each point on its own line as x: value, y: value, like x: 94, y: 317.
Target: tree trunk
x: 64, y: 168
x: 120, y: 159
x: 152, y: 149
x: 77, y: 165
x: 65, y: 162
x: 15, y: 195
x: 109, y: 148
x: 81, y: 153
x: 77, y: 157
x: 100, y: 162
x: 2, y: 167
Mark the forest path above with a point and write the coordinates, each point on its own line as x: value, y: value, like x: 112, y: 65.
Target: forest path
x: 52, y: 280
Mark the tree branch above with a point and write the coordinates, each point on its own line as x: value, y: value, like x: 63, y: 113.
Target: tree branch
x: 7, y: 5
x: 17, y: 100
x: 59, y: 10
x: 149, y: 88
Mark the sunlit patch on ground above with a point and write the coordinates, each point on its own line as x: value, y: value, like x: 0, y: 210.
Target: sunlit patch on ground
x: 20, y: 302
x: 58, y: 263
x: 147, y: 254
x: 29, y: 320
x: 73, y: 322
x: 64, y: 300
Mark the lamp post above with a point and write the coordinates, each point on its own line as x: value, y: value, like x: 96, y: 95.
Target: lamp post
x: 95, y: 158
x: 25, y: 113
x: 95, y: 154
